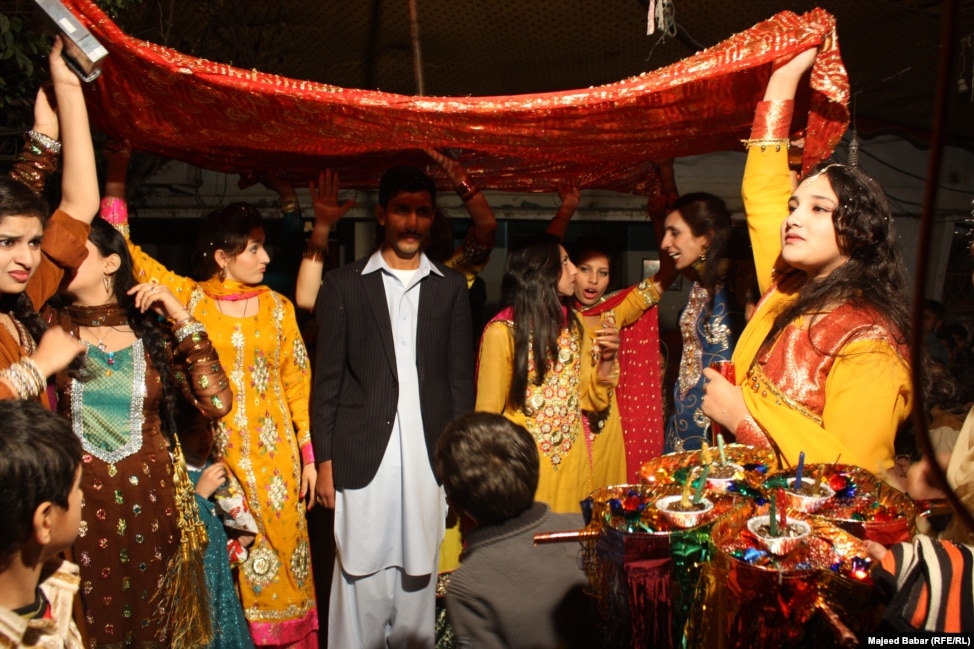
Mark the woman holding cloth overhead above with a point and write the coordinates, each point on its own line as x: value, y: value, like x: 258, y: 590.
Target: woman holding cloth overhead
x: 823, y: 363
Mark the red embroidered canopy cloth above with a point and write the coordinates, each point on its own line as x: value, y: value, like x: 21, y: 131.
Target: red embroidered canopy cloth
x: 232, y: 120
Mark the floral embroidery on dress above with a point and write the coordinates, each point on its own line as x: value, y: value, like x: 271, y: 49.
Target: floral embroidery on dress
x: 261, y: 566
x: 220, y: 439
x: 717, y: 333
x: 300, y: 355
x: 267, y: 435
x: 259, y: 373
x: 236, y: 376
x: 552, y: 408
x: 301, y: 562
x: 690, y: 362
x: 276, y: 492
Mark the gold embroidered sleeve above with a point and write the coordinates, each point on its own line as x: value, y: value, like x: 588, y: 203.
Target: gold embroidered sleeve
x: 198, y: 372
x: 35, y: 162
x: 641, y: 298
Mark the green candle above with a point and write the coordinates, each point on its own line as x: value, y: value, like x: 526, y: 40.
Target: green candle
x: 773, y: 515
x: 701, y: 485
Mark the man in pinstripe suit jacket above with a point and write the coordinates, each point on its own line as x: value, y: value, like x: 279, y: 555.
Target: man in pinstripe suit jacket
x: 393, y: 367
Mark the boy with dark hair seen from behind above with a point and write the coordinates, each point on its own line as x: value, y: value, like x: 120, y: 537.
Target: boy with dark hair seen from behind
x: 508, y: 592
x: 40, y: 495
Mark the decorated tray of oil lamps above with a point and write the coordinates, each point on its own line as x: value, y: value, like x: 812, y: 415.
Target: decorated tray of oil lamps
x: 859, y: 503
x: 659, y: 509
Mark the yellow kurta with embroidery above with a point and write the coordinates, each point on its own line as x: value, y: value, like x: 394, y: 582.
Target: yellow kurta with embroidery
x: 261, y: 440
x: 553, y: 412
x: 850, y: 404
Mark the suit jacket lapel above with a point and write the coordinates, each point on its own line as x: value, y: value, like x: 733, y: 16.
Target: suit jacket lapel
x: 428, y: 296
x: 375, y: 295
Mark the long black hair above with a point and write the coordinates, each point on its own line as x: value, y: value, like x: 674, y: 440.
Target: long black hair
x: 146, y: 326
x: 530, y: 288
x: 874, y: 275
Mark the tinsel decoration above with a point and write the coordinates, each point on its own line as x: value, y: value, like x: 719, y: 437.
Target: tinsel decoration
x: 183, y: 597
x: 668, y: 469
x: 716, y: 585
x: 818, y: 595
x: 643, y: 571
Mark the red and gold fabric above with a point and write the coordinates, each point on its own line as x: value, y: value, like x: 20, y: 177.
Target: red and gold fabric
x: 233, y: 120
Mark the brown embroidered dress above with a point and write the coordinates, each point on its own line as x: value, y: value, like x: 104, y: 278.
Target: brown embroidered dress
x: 129, y: 528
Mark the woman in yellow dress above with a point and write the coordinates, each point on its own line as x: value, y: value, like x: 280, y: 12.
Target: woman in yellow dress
x: 539, y: 369
x: 265, y: 439
x: 823, y: 361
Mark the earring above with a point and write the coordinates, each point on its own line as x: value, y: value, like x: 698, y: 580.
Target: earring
x: 699, y: 262
x: 107, y: 281
x: 223, y: 274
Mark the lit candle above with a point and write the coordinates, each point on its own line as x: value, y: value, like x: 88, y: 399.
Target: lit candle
x: 773, y: 515
x: 685, y: 498
x: 701, y: 485
x: 817, y: 489
x: 720, y: 448
x: 799, y: 471
x: 705, y: 456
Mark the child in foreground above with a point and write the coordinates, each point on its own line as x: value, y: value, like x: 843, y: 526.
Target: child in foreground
x: 40, y: 495
x: 507, y: 592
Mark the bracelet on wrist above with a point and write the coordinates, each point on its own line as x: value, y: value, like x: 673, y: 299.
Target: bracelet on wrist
x: 25, y: 378
x: 466, y: 190
x: 315, y: 252
x: 768, y: 142
x: 114, y: 210
x: 307, y: 455
x: 190, y: 327
x: 45, y: 141
x: 177, y: 322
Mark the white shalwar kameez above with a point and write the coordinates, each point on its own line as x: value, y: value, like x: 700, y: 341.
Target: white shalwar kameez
x: 389, y: 533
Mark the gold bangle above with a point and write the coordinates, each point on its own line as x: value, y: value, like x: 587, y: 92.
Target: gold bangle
x: 650, y: 294
x: 290, y: 206
x: 777, y: 143
x: 45, y: 141
x: 176, y: 323
x: 315, y: 252
x: 466, y: 190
